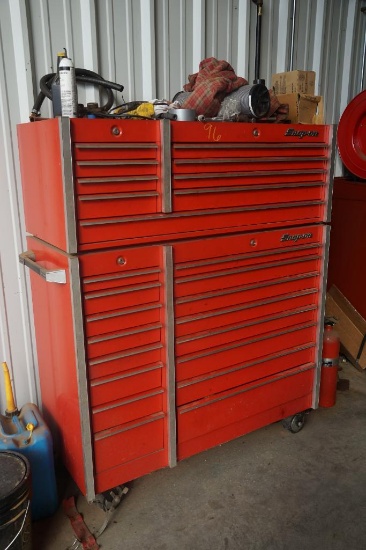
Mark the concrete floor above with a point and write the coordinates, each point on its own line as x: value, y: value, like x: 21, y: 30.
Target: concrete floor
x: 268, y: 490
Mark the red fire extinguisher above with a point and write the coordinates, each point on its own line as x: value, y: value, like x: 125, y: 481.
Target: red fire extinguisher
x: 330, y: 361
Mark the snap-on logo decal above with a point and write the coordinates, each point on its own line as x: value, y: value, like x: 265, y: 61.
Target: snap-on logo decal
x: 301, y: 133
x: 296, y: 237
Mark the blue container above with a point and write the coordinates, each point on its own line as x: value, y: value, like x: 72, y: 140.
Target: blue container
x: 37, y: 447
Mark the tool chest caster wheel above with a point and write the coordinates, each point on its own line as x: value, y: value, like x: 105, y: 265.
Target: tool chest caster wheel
x: 294, y: 423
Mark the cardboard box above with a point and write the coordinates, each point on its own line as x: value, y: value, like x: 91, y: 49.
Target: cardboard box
x: 302, y: 82
x: 350, y: 325
x: 303, y: 109
x: 319, y: 117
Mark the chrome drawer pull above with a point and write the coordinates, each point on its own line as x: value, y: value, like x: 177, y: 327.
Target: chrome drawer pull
x: 116, y: 146
x: 248, y: 188
x: 115, y: 162
x: 251, y: 146
x: 246, y: 174
x: 56, y: 276
x: 241, y: 160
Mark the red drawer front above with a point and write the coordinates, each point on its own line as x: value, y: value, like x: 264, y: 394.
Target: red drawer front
x: 228, y: 134
x: 209, y: 422
x: 126, y: 410
x: 115, y: 168
x: 96, y: 267
x: 124, y: 318
x: 249, y: 151
x: 255, y: 244
x: 128, y: 471
x: 128, y: 296
x: 119, y: 204
x: 133, y: 358
x: 94, y: 186
x: 237, y: 375
x: 126, y: 443
x: 112, y: 151
x: 125, y: 384
x: 114, y: 132
x: 218, y: 198
x: 123, y: 339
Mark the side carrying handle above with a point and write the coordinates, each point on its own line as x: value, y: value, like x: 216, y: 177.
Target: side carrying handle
x: 28, y: 259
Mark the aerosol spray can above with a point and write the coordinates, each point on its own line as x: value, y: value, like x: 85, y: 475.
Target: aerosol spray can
x: 69, y: 101
x: 56, y: 91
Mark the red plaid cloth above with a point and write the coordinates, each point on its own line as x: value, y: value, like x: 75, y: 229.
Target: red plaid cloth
x: 210, y: 85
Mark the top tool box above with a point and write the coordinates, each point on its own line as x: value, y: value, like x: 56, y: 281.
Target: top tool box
x: 178, y: 273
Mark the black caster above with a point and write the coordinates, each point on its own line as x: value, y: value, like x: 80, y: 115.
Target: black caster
x: 294, y: 423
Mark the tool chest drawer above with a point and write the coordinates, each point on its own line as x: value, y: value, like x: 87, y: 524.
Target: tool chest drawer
x: 217, y: 419
x: 126, y: 383
x: 121, y: 411
x: 133, y: 440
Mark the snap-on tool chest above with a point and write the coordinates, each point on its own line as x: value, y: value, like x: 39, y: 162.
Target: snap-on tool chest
x: 182, y: 267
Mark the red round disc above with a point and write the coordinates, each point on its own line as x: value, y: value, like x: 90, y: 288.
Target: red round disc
x: 351, y: 136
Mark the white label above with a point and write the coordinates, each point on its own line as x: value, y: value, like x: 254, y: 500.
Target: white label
x: 68, y: 92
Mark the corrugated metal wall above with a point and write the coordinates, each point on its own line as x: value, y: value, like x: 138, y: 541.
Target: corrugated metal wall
x: 149, y: 46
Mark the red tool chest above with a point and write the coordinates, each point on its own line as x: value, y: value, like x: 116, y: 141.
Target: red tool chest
x: 180, y: 301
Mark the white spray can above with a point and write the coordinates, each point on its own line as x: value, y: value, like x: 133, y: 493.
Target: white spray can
x: 69, y: 100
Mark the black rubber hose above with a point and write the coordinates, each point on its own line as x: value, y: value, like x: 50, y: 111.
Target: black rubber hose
x: 89, y: 80
x: 106, y: 83
x: 82, y: 76
x: 45, y: 84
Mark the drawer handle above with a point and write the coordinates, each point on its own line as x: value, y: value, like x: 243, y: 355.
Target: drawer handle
x: 28, y: 259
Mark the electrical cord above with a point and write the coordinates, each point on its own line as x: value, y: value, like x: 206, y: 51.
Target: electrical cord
x: 125, y: 107
x: 83, y: 76
x: 125, y: 116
